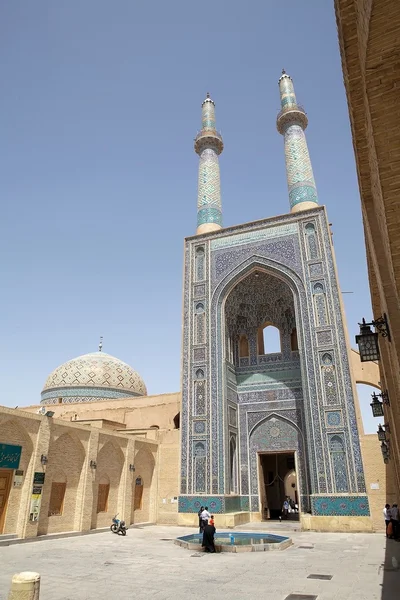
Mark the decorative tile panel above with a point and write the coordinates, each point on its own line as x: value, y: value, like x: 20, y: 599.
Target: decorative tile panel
x: 333, y: 418
x: 352, y: 506
x: 324, y: 338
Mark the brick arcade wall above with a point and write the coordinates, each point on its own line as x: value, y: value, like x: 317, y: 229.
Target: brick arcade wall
x: 69, y: 448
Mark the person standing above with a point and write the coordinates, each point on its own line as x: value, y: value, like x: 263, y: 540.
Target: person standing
x: 200, y: 521
x: 208, y: 538
x: 285, y: 509
x: 205, y: 517
x: 386, y: 516
x: 394, y: 516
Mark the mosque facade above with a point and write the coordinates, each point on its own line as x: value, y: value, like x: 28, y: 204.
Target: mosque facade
x: 251, y: 418
x: 251, y: 425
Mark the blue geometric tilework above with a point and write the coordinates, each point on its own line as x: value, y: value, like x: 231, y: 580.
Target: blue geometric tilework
x: 191, y: 504
x: 216, y: 504
x: 317, y: 401
x: 333, y: 418
x: 356, y: 506
x: 302, y: 193
x: 209, y: 215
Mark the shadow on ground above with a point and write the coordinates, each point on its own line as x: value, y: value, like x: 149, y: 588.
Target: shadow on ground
x: 391, y: 571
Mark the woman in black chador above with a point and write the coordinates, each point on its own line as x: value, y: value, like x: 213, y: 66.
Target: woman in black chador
x: 208, y: 538
x: 200, y: 521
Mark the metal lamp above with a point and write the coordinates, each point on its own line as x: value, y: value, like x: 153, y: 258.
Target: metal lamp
x: 377, y: 406
x: 381, y: 433
x: 367, y: 340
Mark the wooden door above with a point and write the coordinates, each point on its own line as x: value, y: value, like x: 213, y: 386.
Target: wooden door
x: 138, y: 494
x: 5, y: 485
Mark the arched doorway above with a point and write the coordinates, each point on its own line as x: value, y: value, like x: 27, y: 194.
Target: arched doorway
x: 275, y: 450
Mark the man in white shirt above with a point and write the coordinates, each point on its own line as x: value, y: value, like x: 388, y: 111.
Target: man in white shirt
x: 386, y: 516
x: 205, y: 516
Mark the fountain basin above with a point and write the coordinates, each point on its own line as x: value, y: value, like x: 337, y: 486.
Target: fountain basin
x: 237, y: 542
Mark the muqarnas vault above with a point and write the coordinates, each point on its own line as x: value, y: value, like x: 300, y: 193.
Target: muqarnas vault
x: 258, y: 426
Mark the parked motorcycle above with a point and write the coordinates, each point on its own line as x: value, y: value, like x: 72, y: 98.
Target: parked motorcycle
x: 118, y: 526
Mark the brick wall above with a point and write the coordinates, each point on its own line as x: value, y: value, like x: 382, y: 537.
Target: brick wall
x: 370, y: 50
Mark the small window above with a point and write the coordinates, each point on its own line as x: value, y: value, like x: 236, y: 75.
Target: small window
x: 102, y: 497
x: 199, y: 449
x: 177, y: 420
x: 271, y: 339
x: 57, y: 495
x: 318, y: 288
x: 199, y: 374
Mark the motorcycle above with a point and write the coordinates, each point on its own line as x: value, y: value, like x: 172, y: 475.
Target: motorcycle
x: 118, y: 526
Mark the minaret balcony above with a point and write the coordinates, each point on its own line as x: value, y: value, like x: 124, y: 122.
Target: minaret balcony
x: 208, y: 138
x: 291, y: 115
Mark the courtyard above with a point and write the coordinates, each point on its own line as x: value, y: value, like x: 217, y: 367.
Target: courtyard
x: 147, y: 564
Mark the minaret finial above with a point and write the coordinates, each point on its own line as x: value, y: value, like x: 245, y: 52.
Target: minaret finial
x: 101, y: 344
x: 291, y: 123
x: 208, y: 145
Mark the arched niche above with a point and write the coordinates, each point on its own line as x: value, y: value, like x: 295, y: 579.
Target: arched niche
x: 144, y: 465
x: 110, y: 462
x: 63, y: 485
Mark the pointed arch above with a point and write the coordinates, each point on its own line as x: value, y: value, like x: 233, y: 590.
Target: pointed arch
x: 110, y: 463
x: 269, y: 339
x: 64, y: 480
x: 142, y: 494
x: 229, y: 278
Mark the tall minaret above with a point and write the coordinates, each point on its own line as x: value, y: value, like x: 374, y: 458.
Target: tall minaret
x: 208, y: 144
x: 291, y: 123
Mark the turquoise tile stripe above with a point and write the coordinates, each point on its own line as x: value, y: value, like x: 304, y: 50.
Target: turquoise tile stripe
x: 347, y: 506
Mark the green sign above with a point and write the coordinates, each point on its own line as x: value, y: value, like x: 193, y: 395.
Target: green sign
x: 9, y: 456
x: 38, y: 478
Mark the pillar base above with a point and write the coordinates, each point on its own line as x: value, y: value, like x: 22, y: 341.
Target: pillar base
x: 207, y: 228
x: 303, y: 206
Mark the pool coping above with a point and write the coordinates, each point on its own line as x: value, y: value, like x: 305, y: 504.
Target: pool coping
x: 285, y: 543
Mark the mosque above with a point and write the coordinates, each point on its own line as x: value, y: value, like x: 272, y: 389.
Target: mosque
x: 253, y: 422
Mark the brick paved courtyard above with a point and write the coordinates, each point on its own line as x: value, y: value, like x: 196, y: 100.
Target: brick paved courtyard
x: 147, y: 564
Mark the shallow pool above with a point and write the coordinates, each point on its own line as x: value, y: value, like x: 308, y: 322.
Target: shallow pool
x: 237, y: 539
x: 235, y: 542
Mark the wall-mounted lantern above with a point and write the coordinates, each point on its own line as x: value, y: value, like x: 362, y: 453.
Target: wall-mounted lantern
x: 132, y: 468
x: 385, y: 452
x: 44, y: 460
x: 376, y: 405
x: 367, y: 340
x: 381, y: 433
x: 93, y: 464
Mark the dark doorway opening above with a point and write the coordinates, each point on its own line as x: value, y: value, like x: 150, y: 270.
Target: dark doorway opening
x: 278, y: 482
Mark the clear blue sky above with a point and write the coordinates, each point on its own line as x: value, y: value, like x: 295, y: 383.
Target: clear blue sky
x: 100, y: 104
